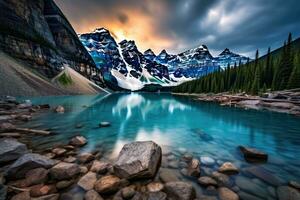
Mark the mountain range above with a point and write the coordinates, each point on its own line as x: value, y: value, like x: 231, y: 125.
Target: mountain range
x: 123, y: 66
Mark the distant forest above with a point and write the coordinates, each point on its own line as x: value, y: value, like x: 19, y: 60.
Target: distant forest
x: 278, y: 70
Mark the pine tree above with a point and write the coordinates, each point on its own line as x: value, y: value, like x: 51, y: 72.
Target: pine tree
x: 294, y: 81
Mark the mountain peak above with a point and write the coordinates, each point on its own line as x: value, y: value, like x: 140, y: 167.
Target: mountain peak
x: 149, y: 52
x: 101, y: 30
x: 226, y: 51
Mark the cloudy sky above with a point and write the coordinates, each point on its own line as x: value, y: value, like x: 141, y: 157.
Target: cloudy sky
x: 177, y: 25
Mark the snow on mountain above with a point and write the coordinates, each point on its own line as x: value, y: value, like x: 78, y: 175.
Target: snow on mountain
x: 124, y: 67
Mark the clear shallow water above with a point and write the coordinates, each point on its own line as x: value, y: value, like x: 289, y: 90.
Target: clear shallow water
x: 179, y: 124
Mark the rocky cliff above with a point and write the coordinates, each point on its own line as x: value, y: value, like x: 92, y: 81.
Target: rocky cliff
x: 37, y: 32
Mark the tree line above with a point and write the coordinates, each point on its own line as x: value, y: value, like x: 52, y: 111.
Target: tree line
x: 272, y: 72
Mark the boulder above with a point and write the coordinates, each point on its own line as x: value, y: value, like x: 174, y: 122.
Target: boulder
x: 227, y: 194
x: 78, y: 141
x: 11, y: 150
x: 287, y: 193
x: 27, y: 162
x: 253, y: 155
x: 64, y: 170
x: 228, y: 168
x: 108, y: 184
x: 207, y: 181
x: 180, y: 191
x: 99, y: 167
x: 92, y: 195
x: 138, y: 160
x: 88, y: 181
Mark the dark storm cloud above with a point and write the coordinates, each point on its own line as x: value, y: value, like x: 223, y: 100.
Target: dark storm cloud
x: 241, y: 25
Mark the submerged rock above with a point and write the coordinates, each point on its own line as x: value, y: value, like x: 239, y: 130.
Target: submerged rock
x: 228, y: 168
x: 27, y: 162
x: 253, y: 155
x: 194, y: 168
x: 249, y: 186
x: 85, y: 157
x: 167, y: 175
x: 263, y: 174
x: 59, y: 109
x: 11, y: 150
x: 227, y: 194
x: 208, y: 161
x: 78, y: 141
x: 294, y: 184
x: 88, y: 181
x: 180, y: 191
x: 138, y: 160
x: 287, y: 193
x: 207, y: 181
x: 104, y: 124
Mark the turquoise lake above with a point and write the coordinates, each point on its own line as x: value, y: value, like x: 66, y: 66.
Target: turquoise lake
x: 178, y: 124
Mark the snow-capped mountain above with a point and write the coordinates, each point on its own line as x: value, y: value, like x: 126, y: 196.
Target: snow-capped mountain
x: 124, y: 66
x: 229, y: 58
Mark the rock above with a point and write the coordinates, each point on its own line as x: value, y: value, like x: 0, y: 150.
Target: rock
x: 92, y: 195
x: 294, y: 184
x: 11, y: 150
x: 138, y: 160
x: 180, y: 191
x: 78, y: 141
x: 204, y: 197
x: 107, y: 184
x: 85, y: 157
x: 22, y: 196
x: 227, y: 194
x: 3, y: 191
x: 222, y: 179
x: 263, y: 174
x: 208, y: 161
x: 70, y: 159
x: 36, y: 176
x: 157, y: 196
x: 228, y: 168
x: 194, y: 168
x: 59, y: 151
x: 88, y: 181
x: 49, y: 155
x: 59, y: 109
x: 167, y: 175
x: 64, y: 184
x: 128, y: 192
x: 207, y: 181
x: 287, y: 193
x: 27, y: 162
x: 248, y: 186
x: 99, y: 167
x: 83, y: 169
x: 104, y: 124
x: 41, y: 190
x: 187, y: 157
x: 24, y: 118
x: 253, y: 155
x: 155, y: 187
x: 64, y: 170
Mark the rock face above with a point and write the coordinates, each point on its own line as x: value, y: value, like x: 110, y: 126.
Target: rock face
x: 11, y: 150
x: 138, y: 160
x: 180, y: 191
x: 27, y: 162
x: 38, y: 32
x: 253, y: 155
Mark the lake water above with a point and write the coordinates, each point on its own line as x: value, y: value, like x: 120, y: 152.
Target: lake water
x: 179, y: 125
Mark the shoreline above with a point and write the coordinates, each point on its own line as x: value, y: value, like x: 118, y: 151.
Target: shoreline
x: 287, y: 101
x: 63, y: 171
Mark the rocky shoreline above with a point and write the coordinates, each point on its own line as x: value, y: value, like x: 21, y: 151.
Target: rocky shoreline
x: 143, y: 170
x: 287, y: 101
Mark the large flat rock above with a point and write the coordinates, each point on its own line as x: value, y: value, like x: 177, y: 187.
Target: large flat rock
x: 138, y: 160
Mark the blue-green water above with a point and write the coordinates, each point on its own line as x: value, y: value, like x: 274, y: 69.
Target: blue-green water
x: 178, y: 124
